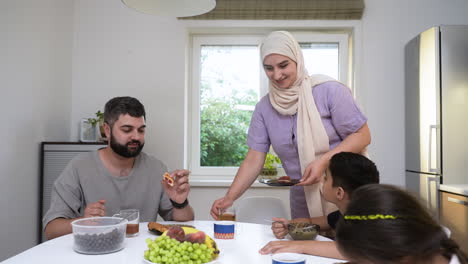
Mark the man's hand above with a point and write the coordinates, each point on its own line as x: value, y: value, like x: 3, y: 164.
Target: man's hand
x: 179, y: 192
x: 279, y: 227
x: 95, y: 209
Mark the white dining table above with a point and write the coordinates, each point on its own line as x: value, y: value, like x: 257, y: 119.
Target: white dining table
x: 249, y: 239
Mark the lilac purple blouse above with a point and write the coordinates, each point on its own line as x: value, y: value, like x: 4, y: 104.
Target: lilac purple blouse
x: 340, y: 116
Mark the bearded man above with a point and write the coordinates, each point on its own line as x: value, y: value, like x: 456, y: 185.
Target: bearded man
x: 119, y: 176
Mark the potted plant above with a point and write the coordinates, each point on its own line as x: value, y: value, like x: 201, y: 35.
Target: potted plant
x: 99, y: 120
x: 271, y: 165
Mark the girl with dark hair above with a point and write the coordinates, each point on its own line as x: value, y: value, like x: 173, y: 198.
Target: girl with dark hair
x: 384, y: 224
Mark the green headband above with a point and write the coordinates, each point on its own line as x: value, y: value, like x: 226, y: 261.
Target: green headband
x: 369, y: 217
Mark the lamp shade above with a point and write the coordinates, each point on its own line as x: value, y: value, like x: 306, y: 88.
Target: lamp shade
x: 177, y: 8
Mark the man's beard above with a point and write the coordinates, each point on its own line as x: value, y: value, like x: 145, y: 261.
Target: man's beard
x: 124, y: 150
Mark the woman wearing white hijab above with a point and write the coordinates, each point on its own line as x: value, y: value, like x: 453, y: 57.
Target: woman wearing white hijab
x: 307, y: 119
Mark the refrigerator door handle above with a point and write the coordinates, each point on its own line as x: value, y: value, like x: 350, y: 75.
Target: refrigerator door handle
x: 429, y: 165
x: 432, y: 193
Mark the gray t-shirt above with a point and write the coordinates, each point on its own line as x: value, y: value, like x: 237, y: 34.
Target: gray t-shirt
x: 85, y: 180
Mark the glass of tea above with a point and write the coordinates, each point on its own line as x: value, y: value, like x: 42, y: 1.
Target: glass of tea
x: 227, y: 214
x: 133, y: 217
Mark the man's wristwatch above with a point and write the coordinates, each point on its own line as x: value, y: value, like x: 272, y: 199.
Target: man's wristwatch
x: 179, y: 205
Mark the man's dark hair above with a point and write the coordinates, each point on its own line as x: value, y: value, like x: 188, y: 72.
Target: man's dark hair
x: 121, y: 106
x: 350, y: 171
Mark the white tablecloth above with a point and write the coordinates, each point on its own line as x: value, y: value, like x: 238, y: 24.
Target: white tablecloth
x: 243, y: 249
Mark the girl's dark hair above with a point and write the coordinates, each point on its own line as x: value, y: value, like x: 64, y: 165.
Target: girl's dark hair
x: 413, y: 236
x: 121, y: 106
x: 351, y: 171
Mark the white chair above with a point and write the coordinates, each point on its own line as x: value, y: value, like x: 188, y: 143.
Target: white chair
x: 260, y: 209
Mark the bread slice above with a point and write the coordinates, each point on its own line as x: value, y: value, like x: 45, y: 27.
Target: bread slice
x: 168, y: 179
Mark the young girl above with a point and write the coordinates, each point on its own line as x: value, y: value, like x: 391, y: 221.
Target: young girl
x: 384, y: 224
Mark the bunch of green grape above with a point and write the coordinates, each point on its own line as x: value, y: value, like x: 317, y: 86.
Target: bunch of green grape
x: 165, y: 250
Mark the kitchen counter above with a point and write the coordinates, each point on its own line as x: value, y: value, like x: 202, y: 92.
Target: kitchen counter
x: 461, y: 189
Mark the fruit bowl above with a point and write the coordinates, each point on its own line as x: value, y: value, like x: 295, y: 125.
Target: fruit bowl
x: 158, y: 229
x: 99, y: 235
x: 181, y: 244
x: 149, y: 262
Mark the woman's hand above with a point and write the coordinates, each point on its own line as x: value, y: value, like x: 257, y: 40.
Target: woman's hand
x: 314, y: 171
x: 355, y: 142
x: 283, y: 246
x: 220, y: 205
x: 246, y: 175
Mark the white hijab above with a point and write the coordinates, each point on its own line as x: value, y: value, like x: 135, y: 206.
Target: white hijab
x: 312, y: 139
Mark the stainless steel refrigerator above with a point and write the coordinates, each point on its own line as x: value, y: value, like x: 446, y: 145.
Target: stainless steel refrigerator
x: 436, y: 95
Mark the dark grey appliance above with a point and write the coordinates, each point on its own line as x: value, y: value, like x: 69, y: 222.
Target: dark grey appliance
x: 54, y: 158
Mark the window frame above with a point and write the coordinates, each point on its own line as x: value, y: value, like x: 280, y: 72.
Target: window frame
x: 343, y: 49
x: 198, y: 39
x: 197, y: 42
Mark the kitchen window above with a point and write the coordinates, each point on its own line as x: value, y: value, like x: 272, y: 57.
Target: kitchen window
x: 227, y: 80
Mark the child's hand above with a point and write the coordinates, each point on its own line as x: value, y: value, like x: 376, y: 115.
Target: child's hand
x: 279, y: 227
x: 282, y: 246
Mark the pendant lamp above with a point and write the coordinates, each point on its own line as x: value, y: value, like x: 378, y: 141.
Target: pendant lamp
x: 174, y: 8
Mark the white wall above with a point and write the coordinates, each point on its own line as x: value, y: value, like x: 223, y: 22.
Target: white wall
x: 387, y: 27
x: 118, y: 51
x: 35, y: 81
